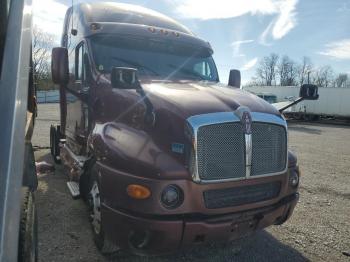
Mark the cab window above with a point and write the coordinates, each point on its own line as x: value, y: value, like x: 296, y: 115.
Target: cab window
x: 203, y: 69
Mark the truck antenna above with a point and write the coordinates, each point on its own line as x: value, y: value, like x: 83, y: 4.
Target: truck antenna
x: 72, y: 13
x: 73, y: 31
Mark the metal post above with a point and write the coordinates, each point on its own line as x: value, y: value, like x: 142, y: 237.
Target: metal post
x: 13, y: 108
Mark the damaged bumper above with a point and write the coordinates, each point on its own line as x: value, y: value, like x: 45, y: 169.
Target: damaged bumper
x: 154, y: 235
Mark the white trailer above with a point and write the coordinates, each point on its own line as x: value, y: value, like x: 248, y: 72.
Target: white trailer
x: 333, y: 102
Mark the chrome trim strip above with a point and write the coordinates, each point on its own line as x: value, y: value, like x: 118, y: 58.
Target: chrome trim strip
x: 248, y: 154
x: 268, y: 118
x: 212, y: 118
x: 226, y: 117
x: 197, y: 121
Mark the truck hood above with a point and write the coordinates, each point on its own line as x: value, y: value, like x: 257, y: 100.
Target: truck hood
x: 194, y: 98
x: 160, y: 149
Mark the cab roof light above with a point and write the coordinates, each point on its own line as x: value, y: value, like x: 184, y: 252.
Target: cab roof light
x: 164, y: 32
x: 152, y: 29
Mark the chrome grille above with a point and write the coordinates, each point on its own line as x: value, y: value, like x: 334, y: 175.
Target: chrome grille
x: 221, y: 151
x: 269, y: 148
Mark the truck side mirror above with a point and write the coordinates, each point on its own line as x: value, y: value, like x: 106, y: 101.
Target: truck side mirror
x: 124, y: 78
x: 309, y: 92
x: 235, y: 78
x: 59, y: 65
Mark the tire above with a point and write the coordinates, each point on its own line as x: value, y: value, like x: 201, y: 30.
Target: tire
x: 52, y: 129
x: 28, y: 232
x: 55, y: 143
x: 84, y: 180
x: 106, y: 247
x: 311, y: 118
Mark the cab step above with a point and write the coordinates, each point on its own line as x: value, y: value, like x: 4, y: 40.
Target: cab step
x: 74, y: 189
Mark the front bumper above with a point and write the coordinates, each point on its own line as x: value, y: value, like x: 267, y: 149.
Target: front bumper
x: 159, y: 234
x: 115, y: 182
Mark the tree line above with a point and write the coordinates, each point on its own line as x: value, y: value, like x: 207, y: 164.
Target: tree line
x: 42, y: 43
x: 273, y: 70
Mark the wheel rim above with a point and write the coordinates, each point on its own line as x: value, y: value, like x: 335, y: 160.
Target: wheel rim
x: 95, y: 208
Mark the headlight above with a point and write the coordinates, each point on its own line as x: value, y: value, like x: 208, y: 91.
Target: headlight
x: 172, y: 197
x: 294, y: 179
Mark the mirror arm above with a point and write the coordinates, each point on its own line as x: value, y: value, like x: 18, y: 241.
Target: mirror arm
x: 291, y: 104
x: 150, y: 115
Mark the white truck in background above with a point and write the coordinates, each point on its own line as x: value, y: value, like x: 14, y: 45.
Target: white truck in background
x: 333, y: 102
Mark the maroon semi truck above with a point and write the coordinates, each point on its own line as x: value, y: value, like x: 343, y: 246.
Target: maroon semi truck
x: 165, y: 155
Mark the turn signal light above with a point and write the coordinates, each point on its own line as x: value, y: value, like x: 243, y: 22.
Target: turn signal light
x: 138, y: 191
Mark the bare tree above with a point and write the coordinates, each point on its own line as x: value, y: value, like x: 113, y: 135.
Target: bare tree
x: 304, y: 70
x: 254, y: 81
x: 283, y: 70
x: 324, y: 76
x: 342, y: 80
x: 266, y: 71
x: 42, y: 45
x: 287, y: 71
x: 292, y: 73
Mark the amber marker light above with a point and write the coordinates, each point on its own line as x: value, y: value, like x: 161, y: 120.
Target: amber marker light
x: 138, y: 191
x: 164, y: 32
x: 152, y: 29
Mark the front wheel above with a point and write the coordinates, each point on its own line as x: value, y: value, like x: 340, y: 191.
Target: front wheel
x: 94, y: 201
x: 52, y: 130
x: 55, y: 143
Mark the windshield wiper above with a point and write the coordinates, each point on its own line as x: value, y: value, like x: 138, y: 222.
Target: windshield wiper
x: 139, y: 66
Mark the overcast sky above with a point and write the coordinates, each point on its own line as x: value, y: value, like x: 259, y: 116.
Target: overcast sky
x: 241, y: 32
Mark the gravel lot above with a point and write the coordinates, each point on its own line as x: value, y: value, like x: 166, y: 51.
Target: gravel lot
x: 319, y: 229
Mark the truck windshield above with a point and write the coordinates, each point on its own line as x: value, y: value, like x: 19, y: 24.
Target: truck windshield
x: 154, y: 59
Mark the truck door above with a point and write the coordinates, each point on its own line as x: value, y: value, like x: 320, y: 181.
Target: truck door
x: 77, y: 97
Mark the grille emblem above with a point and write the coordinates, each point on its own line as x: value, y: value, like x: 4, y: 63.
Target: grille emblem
x: 243, y: 113
x: 246, y: 123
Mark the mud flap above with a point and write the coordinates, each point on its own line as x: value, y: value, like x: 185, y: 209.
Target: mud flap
x: 30, y: 179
